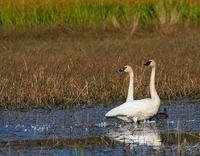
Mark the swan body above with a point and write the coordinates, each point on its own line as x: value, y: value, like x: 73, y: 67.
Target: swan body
x: 136, y: 110
x: 133, y: 111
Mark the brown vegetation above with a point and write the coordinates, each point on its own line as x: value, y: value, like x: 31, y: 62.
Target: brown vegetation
x: 63, y: 65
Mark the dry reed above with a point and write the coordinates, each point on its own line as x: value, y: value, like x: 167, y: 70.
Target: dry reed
x: 56, y: 67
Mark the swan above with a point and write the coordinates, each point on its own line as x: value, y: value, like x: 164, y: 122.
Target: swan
x: 137, y: 110
x: 130, y: 98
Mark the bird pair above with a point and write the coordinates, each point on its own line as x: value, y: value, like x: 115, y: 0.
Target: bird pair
x: 137, y: 110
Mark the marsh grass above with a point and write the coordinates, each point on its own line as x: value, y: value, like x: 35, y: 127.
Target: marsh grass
x: 22, y: 13
x: 55, y: 67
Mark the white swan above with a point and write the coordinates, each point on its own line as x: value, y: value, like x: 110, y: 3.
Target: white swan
x: 137, y: 110
x: 130, y: 98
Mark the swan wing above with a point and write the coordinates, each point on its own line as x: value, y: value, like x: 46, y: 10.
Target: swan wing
x: 129, y: 108
x: 118, y: 111
x: 139, y: 106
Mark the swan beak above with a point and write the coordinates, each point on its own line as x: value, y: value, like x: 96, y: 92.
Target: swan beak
x: 147, y: 63
x: 122, y: 69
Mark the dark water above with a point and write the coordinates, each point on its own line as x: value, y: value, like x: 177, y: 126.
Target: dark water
x: 85, y: 131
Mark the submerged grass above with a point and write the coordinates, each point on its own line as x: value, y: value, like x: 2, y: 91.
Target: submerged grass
x: 66, y: 66
x: 22, y: 13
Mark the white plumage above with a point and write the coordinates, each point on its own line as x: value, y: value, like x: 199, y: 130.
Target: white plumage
x: 135, y: 110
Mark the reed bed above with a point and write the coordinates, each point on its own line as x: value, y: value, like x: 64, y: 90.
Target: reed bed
x: 22, y: 13
x: 55, y: 67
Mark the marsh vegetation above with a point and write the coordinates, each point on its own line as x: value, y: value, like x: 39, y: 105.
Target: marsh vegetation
x: 62, y: 66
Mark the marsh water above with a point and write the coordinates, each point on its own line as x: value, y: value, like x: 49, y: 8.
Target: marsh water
x: 85, y: 131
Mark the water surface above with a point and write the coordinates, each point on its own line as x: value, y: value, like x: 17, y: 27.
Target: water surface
x: 85, y: 131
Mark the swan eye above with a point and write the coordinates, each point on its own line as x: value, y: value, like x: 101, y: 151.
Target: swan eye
x: 122, y: 69
x: 147, y: 63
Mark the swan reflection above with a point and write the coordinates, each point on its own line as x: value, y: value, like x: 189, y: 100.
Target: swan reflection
x: 137, y: 135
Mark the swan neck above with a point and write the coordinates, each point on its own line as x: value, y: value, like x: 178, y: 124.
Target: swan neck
x: 153, y: 91
x: 130, y: 88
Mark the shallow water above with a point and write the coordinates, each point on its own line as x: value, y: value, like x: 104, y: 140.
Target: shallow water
x: 85, y: 131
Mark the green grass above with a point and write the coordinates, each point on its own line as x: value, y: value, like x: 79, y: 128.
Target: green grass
x: 44, y: 13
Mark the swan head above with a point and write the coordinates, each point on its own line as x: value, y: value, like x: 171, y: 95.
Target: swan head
x: 150, y: 63
x: 126, y: 69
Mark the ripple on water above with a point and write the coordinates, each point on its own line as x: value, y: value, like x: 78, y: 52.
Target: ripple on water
x: 76, y: 131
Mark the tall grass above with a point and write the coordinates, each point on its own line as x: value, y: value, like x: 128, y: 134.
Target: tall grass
x: 22, y: 13
x: 53, y: 67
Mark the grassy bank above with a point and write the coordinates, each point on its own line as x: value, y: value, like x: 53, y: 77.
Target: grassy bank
x: 59, y: 67
x: 22, y: 13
